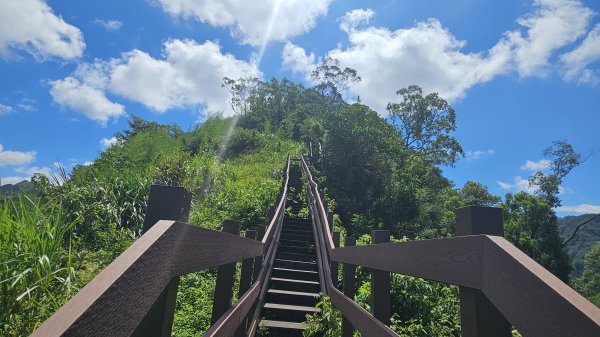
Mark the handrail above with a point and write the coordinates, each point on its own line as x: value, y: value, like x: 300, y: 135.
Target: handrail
x: 362, y: 320
x: 532, y: 299
x: 116, y: 300
x: 255, y: 296
x: 120, y: 297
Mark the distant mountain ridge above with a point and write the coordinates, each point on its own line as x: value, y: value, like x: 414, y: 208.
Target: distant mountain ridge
x: 584, y: 240
x: 8, y: 189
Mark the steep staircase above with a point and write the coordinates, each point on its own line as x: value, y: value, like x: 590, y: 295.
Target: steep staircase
x: 294, y: 286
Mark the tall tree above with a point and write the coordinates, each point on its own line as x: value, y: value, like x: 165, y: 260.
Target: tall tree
x: 426, y: 123
x: 241, y: 90
x: 332, y: 80
x: 476, y: 194
x: 532, y: 226
x: 563, y: 159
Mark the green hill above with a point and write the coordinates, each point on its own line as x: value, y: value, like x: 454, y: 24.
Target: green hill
x: 9, y: 189
x: 583, y: 242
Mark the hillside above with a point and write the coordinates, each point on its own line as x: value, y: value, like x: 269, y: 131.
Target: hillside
x: 583, y: 242
x: 22, y: 186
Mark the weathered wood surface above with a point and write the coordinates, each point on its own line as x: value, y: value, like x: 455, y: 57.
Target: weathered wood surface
x: 536, y: 302
x: 116, y: 300
x: 348, y: 288
x: 455, y: 260
x: 530, y: 297
x: 381, y: 284
x: 479, y: 316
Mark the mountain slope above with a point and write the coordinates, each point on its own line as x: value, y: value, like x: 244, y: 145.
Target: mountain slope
x: 584, y: 240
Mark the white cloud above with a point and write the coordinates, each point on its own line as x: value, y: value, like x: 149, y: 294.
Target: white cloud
x: 426, y: 54
x: 26, y: 107
x: 188, y: 74
x: 87, y: 163
x: 30, y: 171
x: 576, y: 62
x: 106, y: 143
x: 13, y: 158
x: 522, y: 185
x: 297, y: 60
x: 32, y: 26
x: 553, y: 25
x: 254, y: 22
x: 429, y: 55
x: 519, y: 185
x: 536, y: 165
x: 12, y: 180
x: 80, y: 97
x: 110, y: 25
x: 473, y: 155
x: 5, y: 109
x: 356, y: 17
x: 582, y: 208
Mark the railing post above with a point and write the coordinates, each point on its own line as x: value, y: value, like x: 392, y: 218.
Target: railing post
x: 348, y: 288
x: 245, y: 280
x: 478, y: 316
x: 381, y: 284
x: 225, y: 278
x: 164, y: 203
x: 334, y: 265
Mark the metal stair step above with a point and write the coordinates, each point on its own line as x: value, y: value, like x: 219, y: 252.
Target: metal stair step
x: 282, y: 324
x: 291, y: 307
x: 295, y: 274
x: 282, y: 283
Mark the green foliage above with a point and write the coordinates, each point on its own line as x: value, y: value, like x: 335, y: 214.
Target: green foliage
x: 563, y: 159
x: 332, y: 80
x: 36, y: 269
x: 327, y: 323
x: 424, y: 308
x: 244, y: 141
x: 589, y: 282
x: 532, y: 226
x: 426, y: 124
x: 194, y: 303
x: 476, y: 194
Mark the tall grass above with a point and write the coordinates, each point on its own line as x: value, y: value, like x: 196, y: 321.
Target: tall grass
x: 36, y: 272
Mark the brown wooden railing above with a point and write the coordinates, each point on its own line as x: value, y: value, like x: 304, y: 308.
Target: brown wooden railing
x: 135, y: 295
x: 500, y: 286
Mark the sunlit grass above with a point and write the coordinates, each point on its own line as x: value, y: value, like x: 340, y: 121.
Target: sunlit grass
x: 36, y: 267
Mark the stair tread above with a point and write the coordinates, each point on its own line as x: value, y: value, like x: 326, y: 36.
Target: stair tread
x: 282, y: 324
x: 286, y: 260
x: 295, y: 293
x: 292, y: 280
x: 299, y: 247
x: 296, y: 270
x: 309, y: 255
x: 291, y: 307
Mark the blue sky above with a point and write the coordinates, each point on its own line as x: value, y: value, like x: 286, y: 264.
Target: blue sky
x: 520, y: 74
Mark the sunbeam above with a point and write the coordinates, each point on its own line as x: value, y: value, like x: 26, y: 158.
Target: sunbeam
x: 270, y: 27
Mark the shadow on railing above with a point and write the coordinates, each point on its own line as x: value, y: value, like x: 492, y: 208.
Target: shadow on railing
x: 500, y: 286
x: 135, y: 295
